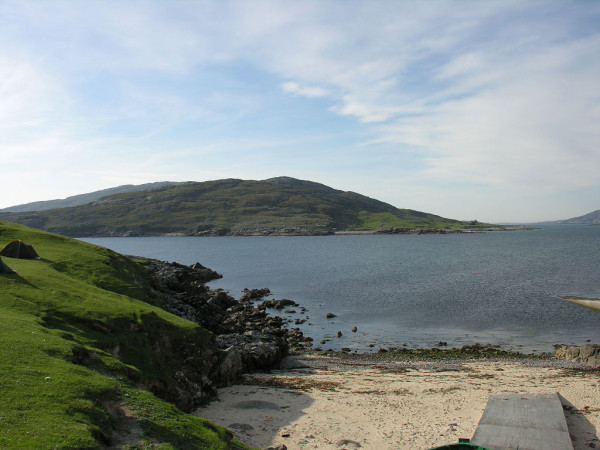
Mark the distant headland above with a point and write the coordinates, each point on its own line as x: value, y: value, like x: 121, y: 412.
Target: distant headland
x: 281, y: 206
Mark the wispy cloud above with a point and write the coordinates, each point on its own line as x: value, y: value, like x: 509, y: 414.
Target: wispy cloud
x: 496, y: 94
x: 305, y: 91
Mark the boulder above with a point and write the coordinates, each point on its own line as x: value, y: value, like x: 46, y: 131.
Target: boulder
x: 588, y: 353
x: 254, y: 294
x: 277, y: 304
x: 230, y: 367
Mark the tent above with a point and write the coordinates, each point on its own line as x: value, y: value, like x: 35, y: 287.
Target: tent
x: 4, y: 268
x: 19, y: 249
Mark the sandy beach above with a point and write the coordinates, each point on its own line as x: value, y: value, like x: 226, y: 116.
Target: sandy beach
x: 377, y: 403
x: 593, y: 303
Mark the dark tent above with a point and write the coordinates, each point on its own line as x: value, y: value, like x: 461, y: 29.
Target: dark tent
x: 4, y: 268
x: 19, y: 249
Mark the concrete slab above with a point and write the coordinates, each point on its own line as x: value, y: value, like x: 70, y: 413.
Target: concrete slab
x: 524, y: 422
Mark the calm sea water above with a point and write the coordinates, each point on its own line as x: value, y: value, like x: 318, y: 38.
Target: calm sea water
x: 496, y: 288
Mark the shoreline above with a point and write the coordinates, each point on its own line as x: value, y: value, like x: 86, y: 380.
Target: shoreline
x: 282, y: 232
x: 588, y: 302
x: 389, y: 402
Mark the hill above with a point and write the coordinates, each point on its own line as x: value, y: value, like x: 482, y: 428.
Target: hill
x: 279, y: 206
x: 82, y: 199
x: 592, y: 218
x: 88, y: 356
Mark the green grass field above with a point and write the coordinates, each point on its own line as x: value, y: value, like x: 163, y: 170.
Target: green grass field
x: 86, y: 304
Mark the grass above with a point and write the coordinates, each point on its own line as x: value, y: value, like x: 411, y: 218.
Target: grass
x: 408, y: 220
x: 86, y: 304
x: 172, y: 427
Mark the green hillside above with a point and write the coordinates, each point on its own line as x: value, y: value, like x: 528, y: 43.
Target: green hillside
x: 276, y: 206
x: 84, y: 352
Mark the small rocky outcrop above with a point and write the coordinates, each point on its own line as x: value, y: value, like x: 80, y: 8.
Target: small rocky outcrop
x: 246, y: 336
x: 254, y: 294
x: 588, y: 353
x: 277, y: 304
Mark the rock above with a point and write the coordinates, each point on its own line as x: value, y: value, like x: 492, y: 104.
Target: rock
x: 249, y: 339
x: 277, y: 304
x: 339, y: 334
x: 354, y: 329
x: 230, y: 367
x: 594, y: 361
x: 330, y: 315
x: 587, y: 353
x: 254, y: 294
x: 572, y: 352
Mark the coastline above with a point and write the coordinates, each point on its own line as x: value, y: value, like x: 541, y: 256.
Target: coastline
x: 133, y: 232
x: 380, y: 402
x: 589, y: 302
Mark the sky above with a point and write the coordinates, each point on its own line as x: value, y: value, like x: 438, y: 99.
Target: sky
x: 472, y: 110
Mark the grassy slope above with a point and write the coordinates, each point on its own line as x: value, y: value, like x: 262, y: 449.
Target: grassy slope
x: 67, y: 301
x: 234, y: 206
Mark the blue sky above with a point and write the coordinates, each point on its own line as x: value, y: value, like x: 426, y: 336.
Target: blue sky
x: 466, y: 109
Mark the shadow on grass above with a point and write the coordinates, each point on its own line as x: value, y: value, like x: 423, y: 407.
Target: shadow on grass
x: 582, y: 431
x: 179, y: 440
x: 19, y: 279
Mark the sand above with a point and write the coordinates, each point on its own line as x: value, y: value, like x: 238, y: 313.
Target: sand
x: 593, y: 303
x: 370, y: 403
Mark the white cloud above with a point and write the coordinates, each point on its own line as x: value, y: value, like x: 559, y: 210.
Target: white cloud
x: 27, y: 97
x: 498, y: 94
x: 305, y: 91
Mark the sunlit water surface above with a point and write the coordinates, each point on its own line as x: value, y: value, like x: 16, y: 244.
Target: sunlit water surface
x: 414, y: 290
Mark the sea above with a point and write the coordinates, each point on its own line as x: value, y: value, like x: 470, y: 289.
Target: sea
x: 417, y: 291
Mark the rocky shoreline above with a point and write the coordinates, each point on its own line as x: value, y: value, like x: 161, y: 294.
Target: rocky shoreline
x: 247, y: 338
x: 437, y: 231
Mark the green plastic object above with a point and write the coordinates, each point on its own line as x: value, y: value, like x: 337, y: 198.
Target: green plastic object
x: 463, y: 444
